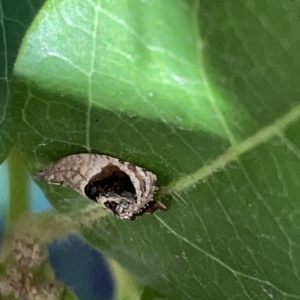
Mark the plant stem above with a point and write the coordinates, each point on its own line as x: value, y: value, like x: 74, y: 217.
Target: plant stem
x: 18, y: 185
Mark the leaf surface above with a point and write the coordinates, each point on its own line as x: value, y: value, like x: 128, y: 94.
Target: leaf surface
x: 204, y: 95
x: 14, y: 20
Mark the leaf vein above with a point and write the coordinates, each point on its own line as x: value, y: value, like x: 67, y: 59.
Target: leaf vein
x: 236, y: 273
x: 234, y: 152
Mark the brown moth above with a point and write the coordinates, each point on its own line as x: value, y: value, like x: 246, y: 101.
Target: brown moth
x: 122, y: 187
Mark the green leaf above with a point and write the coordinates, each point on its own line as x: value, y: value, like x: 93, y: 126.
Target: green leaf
x: 131, y: 45
x: 206, y: 96
x: 14, y: 20
x: 126, y: 287
x: 68, y: 295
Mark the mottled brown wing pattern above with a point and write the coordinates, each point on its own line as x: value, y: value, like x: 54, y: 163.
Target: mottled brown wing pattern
x: 124, y: 188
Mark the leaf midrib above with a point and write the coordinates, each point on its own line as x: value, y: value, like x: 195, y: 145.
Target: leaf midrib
x: 235, y: 151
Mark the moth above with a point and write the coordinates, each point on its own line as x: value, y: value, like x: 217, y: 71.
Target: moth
x: 127, y: 190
